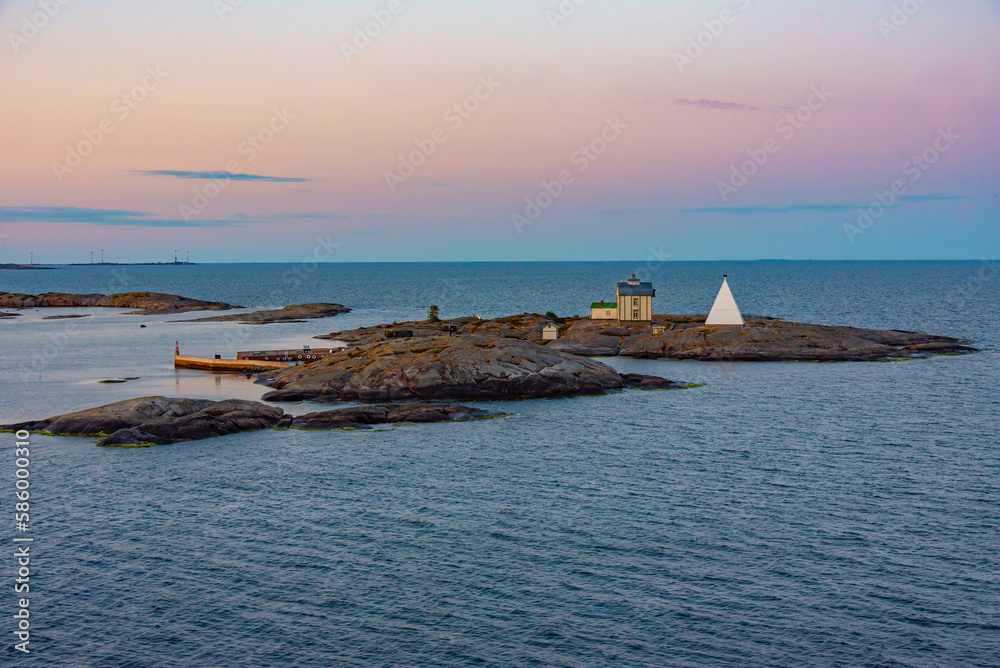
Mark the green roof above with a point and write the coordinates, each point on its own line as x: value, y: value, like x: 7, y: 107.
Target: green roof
x: 609, y: 303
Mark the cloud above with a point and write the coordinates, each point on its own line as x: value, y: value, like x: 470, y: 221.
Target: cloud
x: 123, y: 217
x: 185, y: 174
x: 815, y: 208
x: 932, y: 198
x: 725, y: 106
x: 105, y: 217
x: 758, y: 210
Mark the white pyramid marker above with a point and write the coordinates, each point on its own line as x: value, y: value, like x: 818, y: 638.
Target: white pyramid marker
x: 725, y: 311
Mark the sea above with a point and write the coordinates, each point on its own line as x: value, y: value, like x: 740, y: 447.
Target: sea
x: 779, y: 514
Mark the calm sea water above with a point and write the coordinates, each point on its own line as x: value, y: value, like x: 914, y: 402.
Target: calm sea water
x: 780, y: 515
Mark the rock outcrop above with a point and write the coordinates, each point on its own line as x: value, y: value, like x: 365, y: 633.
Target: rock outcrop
x: 364, y: 417
x: 147, y: 303
x: 163, y: 421
x: 761, y: 340
x: 294, y: 313
x: 7, y: 316
x: 159, y: 420
x: 507, y: 358
x: 419, y: 362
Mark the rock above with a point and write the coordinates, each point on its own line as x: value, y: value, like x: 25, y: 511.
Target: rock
x: 762, y: 340
x: 5, y: 316
x: 149, y: 303
x: 364, y: 417
x: 642, y: 382
x: 65, y: 317
x: 475, y: 365
x: 131, y: 422
x: 163, y: 421
x: 295, y: 313
x: 132, y: 438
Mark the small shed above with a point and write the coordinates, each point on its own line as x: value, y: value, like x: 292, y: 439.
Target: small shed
x: 550, y: 333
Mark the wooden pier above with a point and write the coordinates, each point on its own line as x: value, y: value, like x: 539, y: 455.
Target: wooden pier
x: 221, y: 365
x: 254, y: 360
x: 300, y: 356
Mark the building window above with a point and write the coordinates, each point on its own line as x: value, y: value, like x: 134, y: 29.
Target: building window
x: 635, y: 315
x: 635, y: 301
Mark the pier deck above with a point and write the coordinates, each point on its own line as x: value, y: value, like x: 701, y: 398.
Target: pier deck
x: 291, y: 356
x: 239, y: 366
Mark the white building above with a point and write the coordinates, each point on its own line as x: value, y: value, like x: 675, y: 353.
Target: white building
x: 550, y: 333
x: 725, y: 312
x: 604, y: 310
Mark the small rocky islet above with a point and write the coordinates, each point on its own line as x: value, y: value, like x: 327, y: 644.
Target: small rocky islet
x: 145, y: 303
x: 156, y: 303
x: 165, y: 421
x: 293, y: 313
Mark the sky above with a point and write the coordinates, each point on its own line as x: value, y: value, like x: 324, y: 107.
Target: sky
x: 463, y: 130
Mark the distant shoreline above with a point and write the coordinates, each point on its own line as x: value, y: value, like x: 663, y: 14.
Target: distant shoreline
x: 127, y: 264
x: 57, y: 265
x: 32, y: 267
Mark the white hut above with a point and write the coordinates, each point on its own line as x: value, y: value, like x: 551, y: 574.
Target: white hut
x: 725, y: 311
x: 550, y: 333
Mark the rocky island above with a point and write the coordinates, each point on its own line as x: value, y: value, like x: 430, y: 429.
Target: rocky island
x: 509, y: 358
x: 294, y: 313
x: 165, y: 421
x: 147, y: 303
x: 482, y: 360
